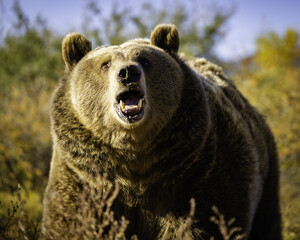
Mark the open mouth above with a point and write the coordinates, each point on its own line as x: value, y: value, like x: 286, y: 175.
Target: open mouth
x: 130, y: 106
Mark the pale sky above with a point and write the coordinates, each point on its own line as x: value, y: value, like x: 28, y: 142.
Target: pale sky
x: 250, y: 19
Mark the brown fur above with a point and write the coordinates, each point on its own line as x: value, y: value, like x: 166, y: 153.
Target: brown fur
x: 199, y: 138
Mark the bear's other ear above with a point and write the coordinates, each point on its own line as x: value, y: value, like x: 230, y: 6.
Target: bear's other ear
x: 166, y: 36
x: 74, y: 47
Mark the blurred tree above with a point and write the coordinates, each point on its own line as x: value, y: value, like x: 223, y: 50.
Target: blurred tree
x: 28, y: 51
x: 274, y: 51
x: 271, y: 81
x: 22, y: 21
x: 126, y: 20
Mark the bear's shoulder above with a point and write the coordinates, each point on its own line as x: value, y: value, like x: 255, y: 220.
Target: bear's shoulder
x: 210, y: 71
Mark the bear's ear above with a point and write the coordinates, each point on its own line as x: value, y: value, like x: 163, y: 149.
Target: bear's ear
x: 166, y: 36
x: 74, y: 47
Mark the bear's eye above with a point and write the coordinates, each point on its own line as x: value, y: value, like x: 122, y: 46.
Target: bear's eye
x: 105, y: 66
x: 144, y: 62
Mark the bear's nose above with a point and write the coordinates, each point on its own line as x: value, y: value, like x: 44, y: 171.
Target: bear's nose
x: 129, y: 74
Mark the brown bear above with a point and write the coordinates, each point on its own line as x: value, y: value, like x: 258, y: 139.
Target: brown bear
x: 167, y: 130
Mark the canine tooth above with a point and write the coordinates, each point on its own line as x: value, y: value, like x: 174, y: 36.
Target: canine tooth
x: 122, y: 105
x: 140, y: 103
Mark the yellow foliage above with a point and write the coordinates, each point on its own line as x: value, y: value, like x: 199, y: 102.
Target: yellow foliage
x: 271, y: 81
x: 25, y: 144
x: 274, y: 51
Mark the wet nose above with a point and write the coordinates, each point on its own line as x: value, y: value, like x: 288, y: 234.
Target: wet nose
x: 129, y: 74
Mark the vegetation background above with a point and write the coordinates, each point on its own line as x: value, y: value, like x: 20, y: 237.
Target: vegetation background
x: 31, y: 64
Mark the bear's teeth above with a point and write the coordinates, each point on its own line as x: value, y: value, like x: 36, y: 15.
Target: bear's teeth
x: 140, y: 103
x: 122, y: 105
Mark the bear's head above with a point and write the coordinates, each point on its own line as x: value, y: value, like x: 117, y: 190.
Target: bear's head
x: 132, y: 89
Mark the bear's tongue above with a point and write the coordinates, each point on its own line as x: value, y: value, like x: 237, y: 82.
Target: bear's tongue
x: 131, y: 106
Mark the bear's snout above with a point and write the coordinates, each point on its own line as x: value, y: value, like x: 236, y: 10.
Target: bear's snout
x: 129, y: 74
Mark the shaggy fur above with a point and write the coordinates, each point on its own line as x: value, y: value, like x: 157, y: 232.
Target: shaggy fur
x: 199, y: 138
